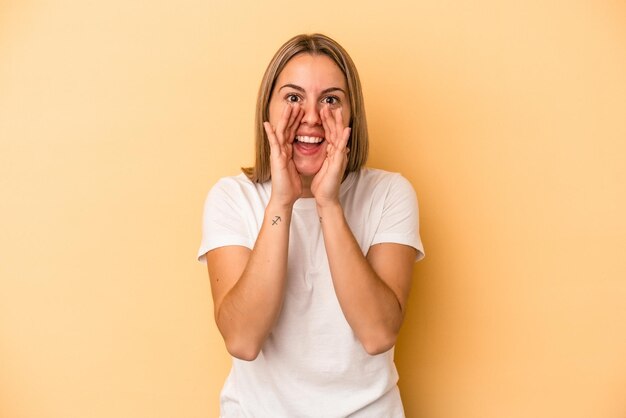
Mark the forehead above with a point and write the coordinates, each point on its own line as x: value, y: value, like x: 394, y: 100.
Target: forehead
x: 311, y: 71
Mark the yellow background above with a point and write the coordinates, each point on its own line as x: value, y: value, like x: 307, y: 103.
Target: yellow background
x: 509, y: 118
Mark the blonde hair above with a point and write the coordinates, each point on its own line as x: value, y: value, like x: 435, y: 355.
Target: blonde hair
x: 314, y: 44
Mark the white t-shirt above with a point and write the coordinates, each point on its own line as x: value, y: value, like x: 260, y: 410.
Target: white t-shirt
x: 312, y: 364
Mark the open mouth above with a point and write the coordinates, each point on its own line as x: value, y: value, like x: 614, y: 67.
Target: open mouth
x: 309, y: 139
x: 308, y: 145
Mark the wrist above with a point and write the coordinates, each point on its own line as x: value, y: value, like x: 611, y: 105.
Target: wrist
x: 278, y: 207
x: 329, y: 209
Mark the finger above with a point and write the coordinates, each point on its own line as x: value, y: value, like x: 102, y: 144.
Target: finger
x: 340, y: 129
x: 295, y: 111
x: 330, y: 121
x: 327, y: 123
x: 282, y: 123
x: 324, y: 123
x: 271, y: 138
x: 345, y: 137
x: 338, y: 117
x: 295, y: 124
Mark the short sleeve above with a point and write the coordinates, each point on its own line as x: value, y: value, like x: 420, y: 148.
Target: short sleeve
x: 400, y: 217
x: 223, y: 223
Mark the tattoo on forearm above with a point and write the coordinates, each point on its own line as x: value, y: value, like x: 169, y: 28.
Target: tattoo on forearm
x: 276, y: 220
x: 320, y: 219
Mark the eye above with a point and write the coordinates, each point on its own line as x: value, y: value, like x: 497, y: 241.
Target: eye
x: 330, y: 100
x: 292, y: 98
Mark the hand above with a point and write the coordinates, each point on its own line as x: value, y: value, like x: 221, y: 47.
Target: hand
x: 286, y: 183
x: 326, y: 183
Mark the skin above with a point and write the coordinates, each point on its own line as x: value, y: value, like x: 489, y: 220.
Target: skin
x: 248, y: 286
x: 310, y: 91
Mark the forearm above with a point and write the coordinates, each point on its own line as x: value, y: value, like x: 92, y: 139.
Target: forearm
x: 370, y: 306
x: 249, y: 310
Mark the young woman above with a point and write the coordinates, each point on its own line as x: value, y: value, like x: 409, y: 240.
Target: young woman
x: 310, y: 255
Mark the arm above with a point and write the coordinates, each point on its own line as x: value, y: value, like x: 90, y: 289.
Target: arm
x: 372, y: 291
x: 248, y: 286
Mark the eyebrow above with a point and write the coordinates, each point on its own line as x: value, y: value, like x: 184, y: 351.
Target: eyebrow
x: 296, y: 87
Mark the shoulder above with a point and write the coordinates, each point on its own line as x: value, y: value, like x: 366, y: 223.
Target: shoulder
x: 238, y: 187
x: 238, y: 182
x: 378, y: 183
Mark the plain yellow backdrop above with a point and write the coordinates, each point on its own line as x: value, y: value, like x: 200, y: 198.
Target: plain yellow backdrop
x: 509, y: 118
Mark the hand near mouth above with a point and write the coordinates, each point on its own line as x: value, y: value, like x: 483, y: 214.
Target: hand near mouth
x: 326, y: 183
x: 286, y: 183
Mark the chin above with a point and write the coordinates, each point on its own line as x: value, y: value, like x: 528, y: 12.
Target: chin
x: 308, y: 168
x: 308, y: 171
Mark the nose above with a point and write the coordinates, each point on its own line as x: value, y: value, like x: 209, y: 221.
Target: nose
x: 311, y: 114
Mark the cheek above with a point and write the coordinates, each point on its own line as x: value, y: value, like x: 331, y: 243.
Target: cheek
x: 346, y: 117
x: 273, y: 111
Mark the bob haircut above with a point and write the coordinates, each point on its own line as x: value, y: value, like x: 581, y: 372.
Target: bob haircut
x: 314, y: 44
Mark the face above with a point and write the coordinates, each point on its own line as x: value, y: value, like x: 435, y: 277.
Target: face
x: 312, y: 82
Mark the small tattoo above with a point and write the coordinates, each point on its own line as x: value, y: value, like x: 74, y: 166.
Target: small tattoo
x: 275, y: 220
x: 320, y: 219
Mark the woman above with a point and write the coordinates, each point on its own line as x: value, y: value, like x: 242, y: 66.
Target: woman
x: 309, y: 254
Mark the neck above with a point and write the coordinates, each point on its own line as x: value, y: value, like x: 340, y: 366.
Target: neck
x: 306, y: 186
